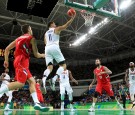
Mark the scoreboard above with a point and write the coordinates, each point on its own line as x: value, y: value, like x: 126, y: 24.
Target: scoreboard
x: 2, y: 51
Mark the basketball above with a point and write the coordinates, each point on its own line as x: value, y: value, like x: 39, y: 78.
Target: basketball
x: 71, y: 12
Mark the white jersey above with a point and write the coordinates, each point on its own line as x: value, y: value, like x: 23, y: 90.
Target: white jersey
x: 7, y: 77
x: 131, y: 76
x: 64, y: 77
x: 51, y: 37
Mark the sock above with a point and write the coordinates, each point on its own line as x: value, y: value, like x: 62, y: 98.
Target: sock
x: 54, y: 79
x: 4, y: 89
x: 93, y: 104
x: 133, y: 102
x: 34, y: 97
x: 59, y: 71
x: 71, y: 106
x: 62, y: 104
x: 9, y: 99
x: 47, y: 72
x: 70, y: 96
x: 44, y: 81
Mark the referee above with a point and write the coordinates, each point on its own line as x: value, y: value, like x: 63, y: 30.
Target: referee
x: 123, y: 94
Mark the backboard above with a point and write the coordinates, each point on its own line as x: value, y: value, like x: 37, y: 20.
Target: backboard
x: 105, y: 8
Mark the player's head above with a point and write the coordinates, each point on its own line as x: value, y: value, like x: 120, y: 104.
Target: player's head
x: 51, y: 25
x: 27, y: 29
x: 97, y: 62
x: 6, y: 70
x: 131, y: 64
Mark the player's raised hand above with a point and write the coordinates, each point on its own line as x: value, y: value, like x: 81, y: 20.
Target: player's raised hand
x: 90, y: 86
x: 6, y: 64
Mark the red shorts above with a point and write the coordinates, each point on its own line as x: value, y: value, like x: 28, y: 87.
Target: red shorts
x: 107, y: 87
x: 22, y: 73
x: 40, y: 97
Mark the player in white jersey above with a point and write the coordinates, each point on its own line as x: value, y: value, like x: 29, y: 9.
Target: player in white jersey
x: 5, y: 81
x: 65, y: 86
x: 130, y: 74
x: 52, y: 49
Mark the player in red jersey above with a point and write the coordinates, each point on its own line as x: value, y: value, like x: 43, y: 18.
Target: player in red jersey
x: 23, y: 46
x: 39, y: 92
x: 101, y: 75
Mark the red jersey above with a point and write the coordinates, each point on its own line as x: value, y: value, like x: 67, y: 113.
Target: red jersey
x: 23, y: 46
x: 22, y: 50
x: 104, y: 78
x: 38, y: 90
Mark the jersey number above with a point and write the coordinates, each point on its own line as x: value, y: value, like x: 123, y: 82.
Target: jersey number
x: 50, y: 37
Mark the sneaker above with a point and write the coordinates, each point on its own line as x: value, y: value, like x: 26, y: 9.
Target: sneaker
x: 120, y: 106
x: 62, y: 107
x: 37, y: 106
x: 7, y: 108
x: 92, y: 109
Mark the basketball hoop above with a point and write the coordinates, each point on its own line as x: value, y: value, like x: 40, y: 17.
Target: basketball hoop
x: 88, y: 17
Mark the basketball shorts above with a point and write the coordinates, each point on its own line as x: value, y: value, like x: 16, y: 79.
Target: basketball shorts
x: 53, y: 52
x: 65, y: 87
x: 107, y: 87
x: 22, y: 73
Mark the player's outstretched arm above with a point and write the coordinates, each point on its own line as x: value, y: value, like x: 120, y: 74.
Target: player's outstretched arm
x: 7, y: 51
x: 63, y: 27
x: 35, y: 49
x: 71, y: 77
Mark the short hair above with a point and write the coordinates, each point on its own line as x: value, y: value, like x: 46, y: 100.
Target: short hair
x: 98, y: 59
x: 49, y: 24
x: 24, y: 28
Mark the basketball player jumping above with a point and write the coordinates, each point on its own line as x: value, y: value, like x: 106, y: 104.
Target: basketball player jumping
x: 23, y: 46
x: 101, y: 74
x: 5, y: 81
x: 65, y: 86
x: 52, y: 49
x: 130, y: 73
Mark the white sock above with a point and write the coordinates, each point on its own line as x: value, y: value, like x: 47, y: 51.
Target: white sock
x: 133, y: 102
x: 47, y: 72
x: 59, y: 71
x: 62, y: 103
x: 54, y: 79
x: 34, y: 97
x: 71, y: 106
x: 44, y: 81
x: 93, y: 104
x: 9, y: 99
x: 4, y: 89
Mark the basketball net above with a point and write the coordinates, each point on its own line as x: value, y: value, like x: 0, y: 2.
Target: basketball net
x: 88, y: 17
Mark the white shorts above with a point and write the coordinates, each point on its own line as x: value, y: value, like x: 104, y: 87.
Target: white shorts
x: 132, y: 88
x: 9, y: 93
x: 65, y: 87
x: 53, y: 52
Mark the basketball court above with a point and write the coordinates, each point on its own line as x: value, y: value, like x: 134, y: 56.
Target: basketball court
x: 66, y: 112
x: 101, y: 28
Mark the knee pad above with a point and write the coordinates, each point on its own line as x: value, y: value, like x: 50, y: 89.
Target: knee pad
x: 62, y: 97
x: 96, y: 94
x: 70, y: 96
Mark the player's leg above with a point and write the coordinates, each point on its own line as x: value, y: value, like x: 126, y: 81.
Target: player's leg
x: 33, y: 92
x: 62, y: 93
x: 53, y: 80
x: 49, y: 63
x: 10, y: 96
x: 58, y: 56
x: 109, y: 91
x: 98, y: 92
x: 132, y: 94
x: 70, y: 96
